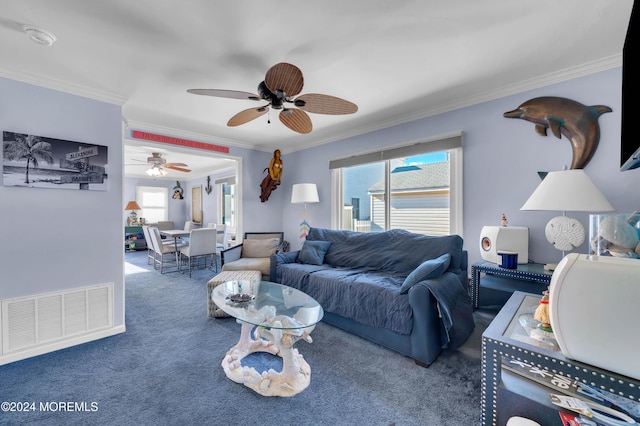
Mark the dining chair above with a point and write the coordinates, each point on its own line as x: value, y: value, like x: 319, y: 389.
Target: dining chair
x: 221, y: 241
x: 165, y: 225
x: 151, y: 254
x: 161, y: 249
x: 202, y: 243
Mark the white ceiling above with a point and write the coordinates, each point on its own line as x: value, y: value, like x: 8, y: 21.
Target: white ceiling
x: 398, y: 61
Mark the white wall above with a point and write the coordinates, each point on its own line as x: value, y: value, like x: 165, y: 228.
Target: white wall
x: 501, y: 160
x: 57, y: 239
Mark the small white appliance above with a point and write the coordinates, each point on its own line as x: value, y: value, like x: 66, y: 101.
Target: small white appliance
x: 494, y: 239
x: 593, y: 305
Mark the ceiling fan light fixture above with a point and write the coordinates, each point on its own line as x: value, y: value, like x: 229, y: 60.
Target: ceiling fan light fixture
x: 39, y: 35
x: 156, y: 171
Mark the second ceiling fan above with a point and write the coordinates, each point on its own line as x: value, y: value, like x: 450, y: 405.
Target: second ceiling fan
x: 282, y: 82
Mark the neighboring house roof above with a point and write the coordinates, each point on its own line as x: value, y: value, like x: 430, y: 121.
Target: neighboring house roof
x: 411, y: 178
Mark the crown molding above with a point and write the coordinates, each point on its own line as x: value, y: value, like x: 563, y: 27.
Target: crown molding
x: 62, y: 86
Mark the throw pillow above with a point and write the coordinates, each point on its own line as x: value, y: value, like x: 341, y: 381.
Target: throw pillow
x: 428, y: 269
x: 260, y: 248
x: 312, y: 252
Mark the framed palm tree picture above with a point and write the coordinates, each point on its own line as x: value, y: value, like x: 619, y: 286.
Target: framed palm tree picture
x: 40, y: 162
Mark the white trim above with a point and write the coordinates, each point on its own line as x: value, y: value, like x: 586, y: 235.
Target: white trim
x: 336, y: 198
x: 40, y: 350
x: 456, y: 192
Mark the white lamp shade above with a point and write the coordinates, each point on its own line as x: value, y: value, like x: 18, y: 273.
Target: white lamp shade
x: 567, y: 190
x: 304, y: 193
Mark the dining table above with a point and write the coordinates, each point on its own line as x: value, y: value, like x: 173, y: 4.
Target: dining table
x: 176, y: 234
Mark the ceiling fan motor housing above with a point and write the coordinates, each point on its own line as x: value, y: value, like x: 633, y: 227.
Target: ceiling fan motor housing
x: 266, y: 94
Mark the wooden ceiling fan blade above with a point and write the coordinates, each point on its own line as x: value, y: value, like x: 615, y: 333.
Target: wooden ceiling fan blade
x: 172, y: 167
x: 284, y: 77
x: 247, y: 115
x: 176, y: 164
x: 325, y: 104
x: 220, y: 93
x: 296, y: 120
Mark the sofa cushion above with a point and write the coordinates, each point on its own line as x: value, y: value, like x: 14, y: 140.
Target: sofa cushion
x: 396, y: 251
x: 368, y: 297
x: 262, y: 264
x: 312, y: 252
x: 260, y: 247
x: 428, y: 269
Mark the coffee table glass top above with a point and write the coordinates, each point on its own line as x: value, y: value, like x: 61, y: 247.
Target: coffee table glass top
x: 260, y: 302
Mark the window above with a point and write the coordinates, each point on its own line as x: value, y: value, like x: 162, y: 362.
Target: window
x: 154, y: 202
x: 416, y: 187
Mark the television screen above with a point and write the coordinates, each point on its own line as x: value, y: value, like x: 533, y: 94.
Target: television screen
x: 630, y: 139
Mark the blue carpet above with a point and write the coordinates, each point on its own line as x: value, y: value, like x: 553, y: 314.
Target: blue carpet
x: 165, y: 370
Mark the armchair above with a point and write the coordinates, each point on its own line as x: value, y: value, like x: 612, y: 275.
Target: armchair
x: 254, y: 254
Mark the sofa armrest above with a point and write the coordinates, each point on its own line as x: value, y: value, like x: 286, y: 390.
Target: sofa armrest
x: 230, y: 254
x: 281, y: 258
x: 452, y: 303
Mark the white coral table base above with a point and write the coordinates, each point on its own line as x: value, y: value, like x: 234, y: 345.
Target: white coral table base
x: 296, y: 373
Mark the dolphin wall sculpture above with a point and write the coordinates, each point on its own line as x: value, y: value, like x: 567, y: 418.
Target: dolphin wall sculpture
x: 577, y: 122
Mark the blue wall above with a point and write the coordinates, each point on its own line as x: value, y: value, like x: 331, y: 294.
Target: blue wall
x: 501, y: 160
x: 57, y: 239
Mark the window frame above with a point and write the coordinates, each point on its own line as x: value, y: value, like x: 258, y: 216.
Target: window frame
x: 450, y: 143
x: 164, y: 191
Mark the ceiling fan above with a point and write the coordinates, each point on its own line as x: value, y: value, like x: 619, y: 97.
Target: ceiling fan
x: 159, y: 164
x: 282, y: 82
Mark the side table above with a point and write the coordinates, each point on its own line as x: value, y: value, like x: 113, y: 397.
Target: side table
x: 502, y: 282
x: 519, y: 372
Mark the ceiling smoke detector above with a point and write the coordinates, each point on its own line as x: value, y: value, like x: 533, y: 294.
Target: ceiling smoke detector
x: 39, y: 35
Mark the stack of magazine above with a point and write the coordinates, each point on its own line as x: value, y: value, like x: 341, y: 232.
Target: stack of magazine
x: 579, y: 403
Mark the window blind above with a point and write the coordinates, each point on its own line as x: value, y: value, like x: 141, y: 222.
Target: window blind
x: 417, y: 148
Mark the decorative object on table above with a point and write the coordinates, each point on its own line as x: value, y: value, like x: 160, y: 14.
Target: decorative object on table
x: 541, y: 331
x: 593, y: 304
x: 133, y: 216
x: 577, y: 122
x: 304, y: 193
x: 615, y: 234
x: 511, y: 239
x: 212, y: 309
x: 542, y: 312
x: 281, y: 83
x: 272, y: 179
x: 178, y: 191
x: 77, y: 165
x: 566, y: 190
x: 208, y: 188
x: 504, y: 221
x: 508, y: 259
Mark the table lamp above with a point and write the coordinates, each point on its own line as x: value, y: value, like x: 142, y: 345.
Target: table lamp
x: 133, y: 206
x: 566, y: 190
x: 304, y: 193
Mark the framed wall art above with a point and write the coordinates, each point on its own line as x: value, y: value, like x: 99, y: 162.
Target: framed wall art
x: 32, y: 161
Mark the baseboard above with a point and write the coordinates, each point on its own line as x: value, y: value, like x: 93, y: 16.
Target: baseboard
x: 63, y: 344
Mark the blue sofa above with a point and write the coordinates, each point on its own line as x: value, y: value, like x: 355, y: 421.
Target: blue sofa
x: 405, y: 291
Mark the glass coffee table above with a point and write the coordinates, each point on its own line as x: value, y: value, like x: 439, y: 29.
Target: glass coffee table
x: 273, y: 317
